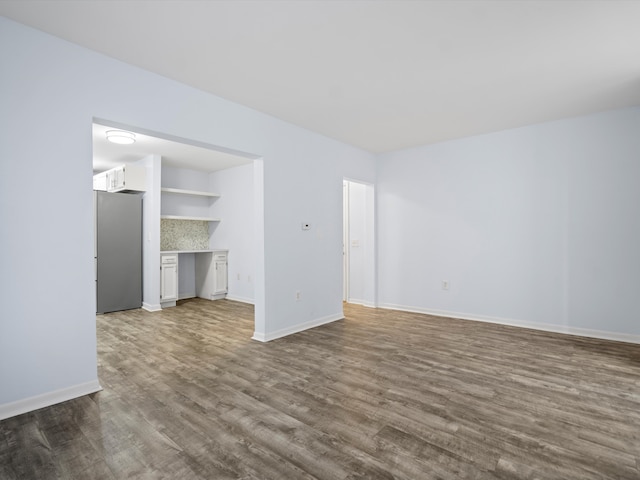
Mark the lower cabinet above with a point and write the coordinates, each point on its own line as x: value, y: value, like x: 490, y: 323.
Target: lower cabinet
x: 168, y: 280
x: 219, y: 276
x: 210, y: 276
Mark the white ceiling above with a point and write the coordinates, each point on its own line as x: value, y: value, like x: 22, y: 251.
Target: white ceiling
x: 381, y: 75
x: 174, y: 153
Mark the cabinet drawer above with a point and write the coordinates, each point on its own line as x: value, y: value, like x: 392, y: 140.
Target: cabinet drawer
x: 219, y: 257
x: 168, y: 259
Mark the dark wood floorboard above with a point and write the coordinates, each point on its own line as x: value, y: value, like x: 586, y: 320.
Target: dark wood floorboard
x: 379, y: 395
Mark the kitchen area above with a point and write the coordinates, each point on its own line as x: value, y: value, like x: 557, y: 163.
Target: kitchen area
x: 189, y: 266
x: 168, y: 248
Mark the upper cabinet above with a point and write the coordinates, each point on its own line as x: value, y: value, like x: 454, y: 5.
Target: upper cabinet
x: 125, y: 178
x: 100, y: 181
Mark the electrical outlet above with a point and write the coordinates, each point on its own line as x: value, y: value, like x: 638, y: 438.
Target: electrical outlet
x: 238, y: 276
x: 445, y: 284
x: 298, y: 296
x: 249, y: 278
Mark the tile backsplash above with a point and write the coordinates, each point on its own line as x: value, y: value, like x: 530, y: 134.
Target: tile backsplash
x: 184, y: 234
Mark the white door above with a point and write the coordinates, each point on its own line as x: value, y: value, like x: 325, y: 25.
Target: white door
x: 345, y: 241
x: 358, y: 243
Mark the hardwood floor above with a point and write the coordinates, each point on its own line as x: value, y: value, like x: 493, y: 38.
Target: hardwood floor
x: 380, y: 395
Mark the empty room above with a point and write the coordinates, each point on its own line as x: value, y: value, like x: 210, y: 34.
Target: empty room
x: 320, y: 239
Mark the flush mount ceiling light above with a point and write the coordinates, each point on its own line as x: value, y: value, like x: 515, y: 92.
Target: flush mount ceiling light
x: 121, y: 137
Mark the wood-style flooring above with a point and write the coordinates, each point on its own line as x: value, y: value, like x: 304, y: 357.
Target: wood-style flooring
x: 380, y: 395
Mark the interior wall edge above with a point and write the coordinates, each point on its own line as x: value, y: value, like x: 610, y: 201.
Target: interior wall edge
x: 267, y: 337
x: 151, y: 307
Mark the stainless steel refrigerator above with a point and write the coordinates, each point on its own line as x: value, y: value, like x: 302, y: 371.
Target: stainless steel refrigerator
x: 118, y: 251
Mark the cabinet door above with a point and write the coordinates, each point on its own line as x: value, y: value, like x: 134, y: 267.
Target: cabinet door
x: 100, y: 182
x: 119, y: 178
x: 111, y: 181
x: 115, y: 179
x: 168, y: 280
x: 220, y: 277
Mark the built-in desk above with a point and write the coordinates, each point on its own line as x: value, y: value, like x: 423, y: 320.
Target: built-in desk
x: 178, y: 252
x: 210, y: 269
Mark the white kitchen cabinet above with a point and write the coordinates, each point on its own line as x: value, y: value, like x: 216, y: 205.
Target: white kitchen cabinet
x: 100, y: 181
x: 168, y: 280
x: 211, y: 275
x: 126, y: 178
x: 220, y: 276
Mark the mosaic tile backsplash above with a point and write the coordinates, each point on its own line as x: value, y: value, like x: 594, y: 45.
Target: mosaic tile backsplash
x: 184, y: 234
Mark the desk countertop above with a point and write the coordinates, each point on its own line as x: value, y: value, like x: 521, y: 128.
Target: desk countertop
x: 194, y: 251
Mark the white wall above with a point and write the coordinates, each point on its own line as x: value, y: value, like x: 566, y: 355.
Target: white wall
x: 236, y: 231
x: 536, y: 225
x: 184, y: 178
x: 151, y: 234
x: 48, y: 335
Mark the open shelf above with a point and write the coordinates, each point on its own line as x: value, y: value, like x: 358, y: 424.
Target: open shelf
x: 182, y: 217
x: 189, y: 192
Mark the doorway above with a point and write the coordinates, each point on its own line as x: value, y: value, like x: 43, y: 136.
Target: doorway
x: 358, y: 245
x: 193, y: 171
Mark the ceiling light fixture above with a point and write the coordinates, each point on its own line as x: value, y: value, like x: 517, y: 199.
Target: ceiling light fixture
x: 121, y: 137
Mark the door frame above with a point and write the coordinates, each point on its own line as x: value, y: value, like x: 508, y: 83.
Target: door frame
x: 367, y: 243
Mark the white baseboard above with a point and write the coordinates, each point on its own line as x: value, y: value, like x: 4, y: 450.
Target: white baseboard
x: 267, y: 337
x: 357, y: 301
x: 545, y: 327
x: 184, y: 296
x: 364, y: 303
x: 240, y: 299
x: 151, y: 308
x: 19, y: 407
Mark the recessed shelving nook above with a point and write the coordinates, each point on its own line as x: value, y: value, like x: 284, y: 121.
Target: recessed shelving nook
x: 186, y: 218
x: 189, y: 193
x: 189, y: 267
